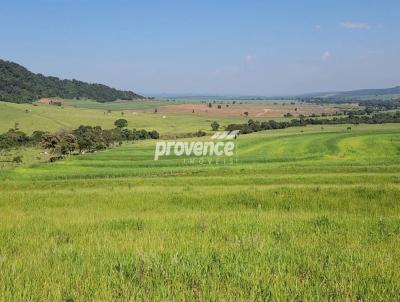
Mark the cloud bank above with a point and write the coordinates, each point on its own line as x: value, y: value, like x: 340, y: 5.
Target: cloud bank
x: 355, y: 25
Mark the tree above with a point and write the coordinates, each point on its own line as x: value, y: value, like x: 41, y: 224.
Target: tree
x: 36, y: 136
x: 200, y: 133
x: 89, y: 138
x: 369, y: 110
x: 17, y: 159
x: 214, y: 126
x: 126, y: 134
x: 13, y: 139
x: 50, y: 141
x: 154, y: 134
x: 142, y: 134
x: 63, y: 142
x: 111, y: 136
x: 121, y: 123
x: 68, y: 143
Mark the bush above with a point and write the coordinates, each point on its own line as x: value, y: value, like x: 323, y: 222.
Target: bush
x: 200, y: 133
x: 121, y: 123
x: 17, y: 159
x: 154, y: 134
x: 214, y: 126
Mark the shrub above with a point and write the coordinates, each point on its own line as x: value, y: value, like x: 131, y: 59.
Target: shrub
x: 17, y: 159
x: 215, y: 126
x: 121, y: 123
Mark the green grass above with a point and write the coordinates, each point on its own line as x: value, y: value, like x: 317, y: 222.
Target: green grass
x: 115, y: 106
x: 312, y: 215
x: 29, y: 157
x: 85, y: 112
x: 53, y: 118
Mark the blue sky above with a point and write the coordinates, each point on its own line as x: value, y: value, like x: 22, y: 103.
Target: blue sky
x: 208, y: 46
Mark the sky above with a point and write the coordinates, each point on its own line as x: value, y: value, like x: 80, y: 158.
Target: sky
x: 218, y: 47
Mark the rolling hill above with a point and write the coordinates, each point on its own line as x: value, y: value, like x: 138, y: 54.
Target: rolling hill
x: 360, y: 94
x: 19, y: 85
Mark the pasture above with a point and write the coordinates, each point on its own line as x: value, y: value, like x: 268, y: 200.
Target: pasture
x: 170, y: 118
x: 53, y: 118
x: 305, y: 214
x: 249, y: 110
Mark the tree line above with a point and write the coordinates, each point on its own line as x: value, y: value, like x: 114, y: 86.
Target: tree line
x: 255, y: 126
x: 369, y: 104
x: 83, y: 139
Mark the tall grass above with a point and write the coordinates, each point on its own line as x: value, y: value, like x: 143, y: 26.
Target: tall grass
x: 301, y: 216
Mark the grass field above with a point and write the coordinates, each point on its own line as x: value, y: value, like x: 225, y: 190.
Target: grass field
x: 305, y: 214
x: 53, y: 118
x: 83, y: 112
x: 115, y: 106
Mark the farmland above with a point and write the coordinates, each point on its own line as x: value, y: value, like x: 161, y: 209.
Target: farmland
x: 253, y: 110
x: 170, y: 119
x: 53, y: 118
x: 200, y: 151
x: 304, y: 214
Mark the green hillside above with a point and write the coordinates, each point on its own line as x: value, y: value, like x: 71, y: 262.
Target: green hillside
x: 19, y: 85
x: 383, y: 94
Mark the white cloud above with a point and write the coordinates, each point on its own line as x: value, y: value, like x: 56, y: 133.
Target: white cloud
x: 326, y: 56
x: 355, y: 25
x: 318, y: 27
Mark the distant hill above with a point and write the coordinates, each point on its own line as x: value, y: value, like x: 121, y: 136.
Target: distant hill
x: 361, y: 94
x: 19, y: 85
x: 384, y: 94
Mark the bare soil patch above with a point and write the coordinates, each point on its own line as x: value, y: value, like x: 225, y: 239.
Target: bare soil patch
x: 253, y: 110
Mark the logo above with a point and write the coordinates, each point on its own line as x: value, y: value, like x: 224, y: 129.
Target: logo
x: 226, y: 135
x: 224, y: 147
